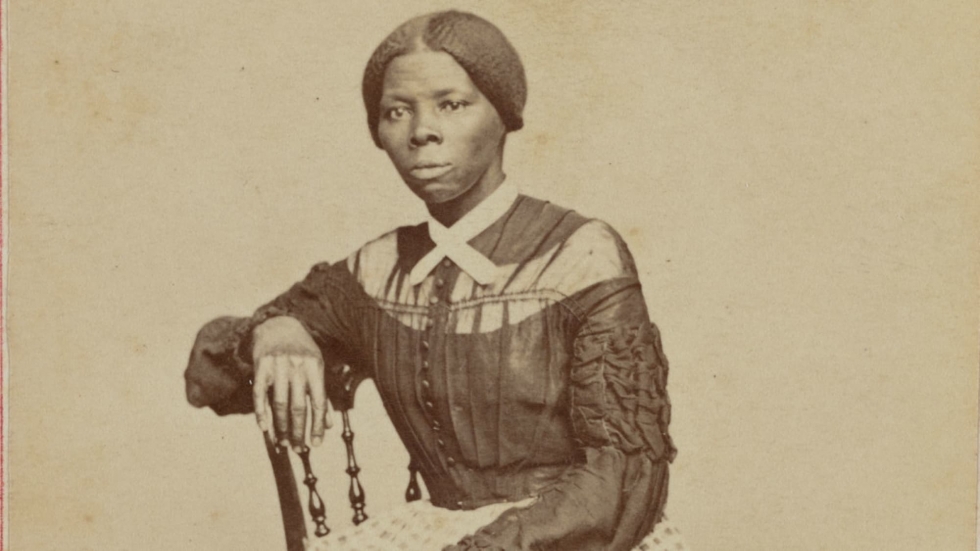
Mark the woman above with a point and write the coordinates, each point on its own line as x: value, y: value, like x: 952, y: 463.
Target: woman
x: 508, y: 337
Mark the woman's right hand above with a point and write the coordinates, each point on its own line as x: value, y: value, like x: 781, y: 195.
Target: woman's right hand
x: 287, y: 359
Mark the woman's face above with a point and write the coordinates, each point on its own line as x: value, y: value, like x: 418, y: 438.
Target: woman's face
x: 443, y: 135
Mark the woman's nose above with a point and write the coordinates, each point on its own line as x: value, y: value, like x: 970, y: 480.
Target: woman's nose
x: 425, y: 131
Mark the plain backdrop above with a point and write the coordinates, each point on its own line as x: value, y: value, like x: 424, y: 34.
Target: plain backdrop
x: 797, y: 181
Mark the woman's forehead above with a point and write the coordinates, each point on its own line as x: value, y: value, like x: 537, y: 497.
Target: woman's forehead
x: 425, y: 73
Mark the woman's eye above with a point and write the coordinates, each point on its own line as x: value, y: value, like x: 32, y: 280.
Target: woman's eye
x: 453, y: 105
x: 396, y: 113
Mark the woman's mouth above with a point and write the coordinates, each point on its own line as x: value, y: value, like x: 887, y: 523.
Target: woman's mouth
x: 428, y: 171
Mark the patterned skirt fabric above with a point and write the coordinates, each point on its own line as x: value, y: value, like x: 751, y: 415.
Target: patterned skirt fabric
x: 420, y: 526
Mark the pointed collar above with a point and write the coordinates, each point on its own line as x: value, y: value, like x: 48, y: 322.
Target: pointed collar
x: 452, y: 242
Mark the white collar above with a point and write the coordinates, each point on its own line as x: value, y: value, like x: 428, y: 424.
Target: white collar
x: 452, y: 243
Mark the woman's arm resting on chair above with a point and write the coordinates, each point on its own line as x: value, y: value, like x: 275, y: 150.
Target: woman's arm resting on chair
x: 286, y: 360
x: 284, y: 347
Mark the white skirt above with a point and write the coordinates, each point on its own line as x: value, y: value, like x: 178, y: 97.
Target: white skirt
x: 420, y: 526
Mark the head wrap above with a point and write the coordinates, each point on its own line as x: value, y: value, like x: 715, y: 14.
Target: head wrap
x: 476, y: 44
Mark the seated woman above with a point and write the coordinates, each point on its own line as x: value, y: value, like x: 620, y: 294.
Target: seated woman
x: 507, y: 336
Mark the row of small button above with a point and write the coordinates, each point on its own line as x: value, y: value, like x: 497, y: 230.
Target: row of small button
x: 440, y: 284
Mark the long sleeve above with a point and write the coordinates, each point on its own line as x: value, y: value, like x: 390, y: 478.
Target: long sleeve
x: 219, y: 370
x: 619, y: 411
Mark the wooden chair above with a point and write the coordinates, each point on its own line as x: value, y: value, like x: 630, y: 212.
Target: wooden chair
x: 294, y: 523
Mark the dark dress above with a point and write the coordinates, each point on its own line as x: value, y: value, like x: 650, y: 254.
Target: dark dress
x: 549, y: 381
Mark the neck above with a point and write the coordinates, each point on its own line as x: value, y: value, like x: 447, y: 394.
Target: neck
x: 449, y: 212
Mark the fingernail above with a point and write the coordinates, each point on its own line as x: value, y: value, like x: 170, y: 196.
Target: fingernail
x: 317, y: 440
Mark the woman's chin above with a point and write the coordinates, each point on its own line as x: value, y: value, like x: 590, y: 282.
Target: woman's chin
x: 434, y: 192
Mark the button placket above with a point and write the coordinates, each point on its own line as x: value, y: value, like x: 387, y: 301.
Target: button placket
x: 443, y: 277
x: 424, y: 373
x: 424, y: 376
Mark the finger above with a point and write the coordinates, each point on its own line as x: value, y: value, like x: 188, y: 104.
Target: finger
x: 260, y: 392
x: 297, y: 403
x: 280, y: 399
x: 270, y: 433
x: 318, y: 399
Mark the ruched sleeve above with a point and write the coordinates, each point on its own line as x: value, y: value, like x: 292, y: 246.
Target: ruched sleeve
x: 619, y: 412
x: 219, y: 370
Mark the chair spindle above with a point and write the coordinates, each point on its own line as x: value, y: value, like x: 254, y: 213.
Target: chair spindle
x: 356, y: 493
x: 318, y: 511
x: 413, y: 492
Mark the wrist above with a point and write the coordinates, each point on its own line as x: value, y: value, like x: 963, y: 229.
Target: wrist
x: 283, y: 335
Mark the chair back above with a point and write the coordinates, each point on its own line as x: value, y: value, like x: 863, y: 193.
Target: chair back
x: 293, y: 519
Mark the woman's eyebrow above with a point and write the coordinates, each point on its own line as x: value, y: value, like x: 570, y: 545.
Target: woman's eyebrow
x: 445, y: 92
x: 395, y: 97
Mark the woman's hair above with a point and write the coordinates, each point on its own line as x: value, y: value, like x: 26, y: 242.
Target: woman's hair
x: 476, y: 44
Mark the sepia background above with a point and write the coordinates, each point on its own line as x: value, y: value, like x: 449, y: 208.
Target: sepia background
x: 797, y: 181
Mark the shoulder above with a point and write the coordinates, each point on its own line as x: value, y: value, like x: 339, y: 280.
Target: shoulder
x: 374, y: 263
x: 373, y: 254
x: 559, y: 249
x: 532, y: 228
x: 593, y: 254
x: 600, y: 244
x: 575, y: 238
